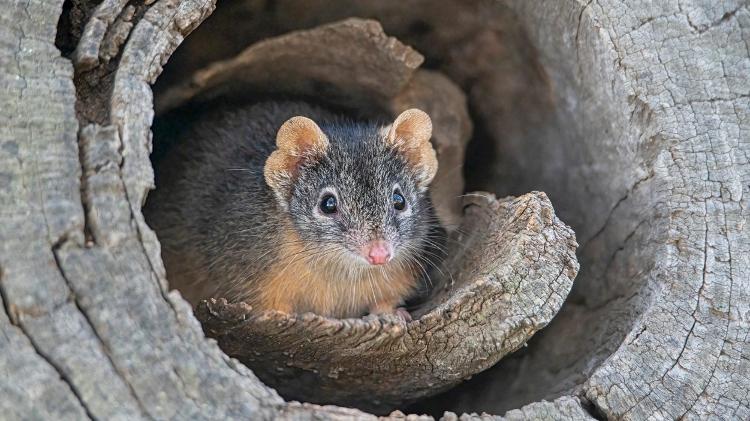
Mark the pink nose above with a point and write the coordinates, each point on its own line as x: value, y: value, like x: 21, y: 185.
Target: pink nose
x: 378, y: 252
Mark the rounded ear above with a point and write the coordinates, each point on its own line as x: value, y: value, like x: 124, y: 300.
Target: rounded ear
x: 298, y: 140
x: 410, y: 134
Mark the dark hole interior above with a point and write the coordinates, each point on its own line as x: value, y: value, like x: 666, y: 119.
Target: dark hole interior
x: 536, y: 127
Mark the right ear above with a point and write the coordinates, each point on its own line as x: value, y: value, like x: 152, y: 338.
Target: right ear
x: 410, y: 133
x: 298, y: 140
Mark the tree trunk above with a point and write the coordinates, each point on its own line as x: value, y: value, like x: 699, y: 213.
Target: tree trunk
x: 634, y: 120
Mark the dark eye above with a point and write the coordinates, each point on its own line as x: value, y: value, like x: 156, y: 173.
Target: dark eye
x: 399, y: 203
x: 328, y: 204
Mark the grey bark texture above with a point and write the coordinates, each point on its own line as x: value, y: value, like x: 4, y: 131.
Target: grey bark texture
x: 633, y: 116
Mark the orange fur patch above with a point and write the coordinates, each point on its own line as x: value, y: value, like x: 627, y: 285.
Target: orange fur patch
x: 292, y: 285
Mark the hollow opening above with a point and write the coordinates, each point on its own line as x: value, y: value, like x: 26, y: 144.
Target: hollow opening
x: 538, y: 125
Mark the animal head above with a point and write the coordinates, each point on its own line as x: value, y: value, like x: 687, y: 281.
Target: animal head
x: 356, y: 191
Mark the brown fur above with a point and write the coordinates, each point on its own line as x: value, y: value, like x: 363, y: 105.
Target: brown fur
x: 292, y: 285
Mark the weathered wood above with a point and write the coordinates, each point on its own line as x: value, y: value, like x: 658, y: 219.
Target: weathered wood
x: 563, y: 408
x: 303, y: 63
x: 656, y: 155
x: 510, y: 268
x: 642, y: 146
x: 53, y: 365
x: 690, y: 100
x: 88, y: 50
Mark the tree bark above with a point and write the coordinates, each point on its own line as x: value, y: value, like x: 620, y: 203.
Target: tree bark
x: 650, y: 167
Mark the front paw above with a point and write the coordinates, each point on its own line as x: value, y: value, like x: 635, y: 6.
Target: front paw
x: 399, y: 312
x: 403, y: 313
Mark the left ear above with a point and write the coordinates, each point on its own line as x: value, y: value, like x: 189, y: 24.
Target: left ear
x: 410, y: 134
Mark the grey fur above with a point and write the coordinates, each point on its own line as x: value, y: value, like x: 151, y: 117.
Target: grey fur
x: 219, y: 222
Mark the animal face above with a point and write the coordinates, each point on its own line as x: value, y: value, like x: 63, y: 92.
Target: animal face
x: 356, y: 192
x: 360, y: 201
